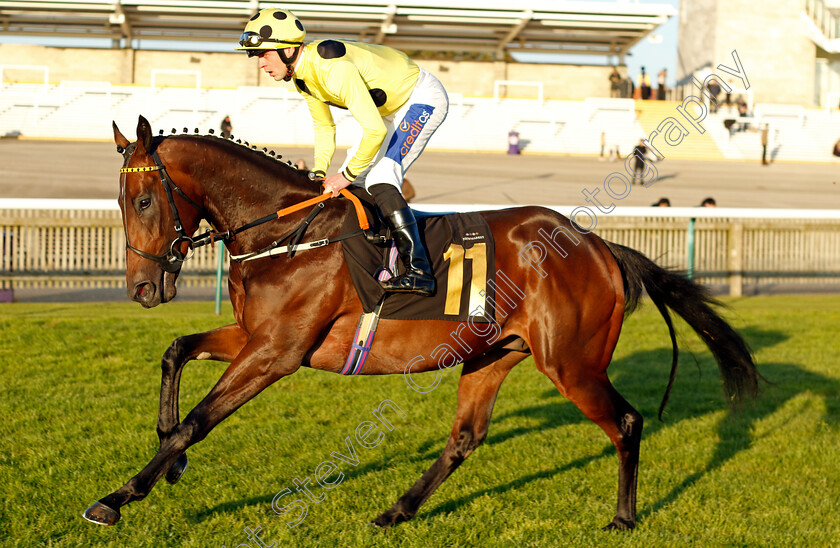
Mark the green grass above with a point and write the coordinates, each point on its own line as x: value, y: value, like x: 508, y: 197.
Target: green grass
x: 79, y: 406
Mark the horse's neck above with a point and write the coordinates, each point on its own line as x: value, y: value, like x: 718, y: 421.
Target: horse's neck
x: 240, y: 186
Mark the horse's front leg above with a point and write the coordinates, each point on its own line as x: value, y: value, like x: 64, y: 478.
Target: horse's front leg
x: 260, y: 363
x: 222, y: 344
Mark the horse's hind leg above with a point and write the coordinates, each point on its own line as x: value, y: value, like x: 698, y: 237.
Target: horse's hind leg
x: 592, y: 392
x: 222, y: 344
x: 479, y: 385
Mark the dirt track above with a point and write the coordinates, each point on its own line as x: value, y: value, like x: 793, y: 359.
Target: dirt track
x: 64, y: 169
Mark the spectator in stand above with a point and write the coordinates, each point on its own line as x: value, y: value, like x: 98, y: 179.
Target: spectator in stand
x: 226, y: 127
x: 301, y: 164
x: 627, y: 88
x: 708, y: 202
x: 765, y: 129
x: 644, y: 84
x: 660, y: 82
x: 714, y: 91
x: 663, y: 202
x: 742, y: 113
x: 615, y: 83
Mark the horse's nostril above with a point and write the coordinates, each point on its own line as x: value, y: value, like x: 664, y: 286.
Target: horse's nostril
x: 144, y: 291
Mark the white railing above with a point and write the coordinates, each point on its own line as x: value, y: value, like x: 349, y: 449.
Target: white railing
x: 497, y: 85
x: 67, y: 204
x: 822, y: 17
x: 81, y: 243
x: 652, y: 212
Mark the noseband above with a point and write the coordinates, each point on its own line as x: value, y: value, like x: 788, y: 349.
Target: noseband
x: 172, y: 260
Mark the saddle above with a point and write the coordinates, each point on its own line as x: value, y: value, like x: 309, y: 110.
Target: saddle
x: 461, y: 252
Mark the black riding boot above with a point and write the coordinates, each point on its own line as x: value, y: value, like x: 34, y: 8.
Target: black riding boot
x: 418, y: 277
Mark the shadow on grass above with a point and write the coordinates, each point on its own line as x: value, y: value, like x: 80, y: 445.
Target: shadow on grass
x: 232, y: 506
x: 641, y: 377
x: 350, y: 474
x: 452, y: 505
x: 734, y: 430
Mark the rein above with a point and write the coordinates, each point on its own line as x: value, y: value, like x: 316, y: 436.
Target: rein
x: 297, y: 233
x: 172, y: 260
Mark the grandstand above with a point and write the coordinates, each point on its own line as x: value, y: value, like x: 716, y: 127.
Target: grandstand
x: 558, y: 109
x: 789, y: 48
x: 84, y: 110
x: 491, y: 26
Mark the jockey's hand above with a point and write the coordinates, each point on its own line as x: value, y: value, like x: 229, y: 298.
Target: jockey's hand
x: 335, y: 183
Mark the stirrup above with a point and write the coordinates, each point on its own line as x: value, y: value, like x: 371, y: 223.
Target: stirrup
x: 413, y: 281
x: 374, y: 238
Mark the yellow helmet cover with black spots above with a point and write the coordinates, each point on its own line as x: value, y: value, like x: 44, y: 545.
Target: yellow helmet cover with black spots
x: 272, y: 29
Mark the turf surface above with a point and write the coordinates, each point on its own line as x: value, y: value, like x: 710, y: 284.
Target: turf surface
x: 79, y: 406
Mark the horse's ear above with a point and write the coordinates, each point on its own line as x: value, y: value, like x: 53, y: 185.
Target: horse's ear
x: 144, y: 134
x: 119, y: 138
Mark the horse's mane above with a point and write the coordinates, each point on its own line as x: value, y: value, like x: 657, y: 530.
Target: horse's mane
x: 244, y: 148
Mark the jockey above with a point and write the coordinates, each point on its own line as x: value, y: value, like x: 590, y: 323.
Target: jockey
x: 398, y: 105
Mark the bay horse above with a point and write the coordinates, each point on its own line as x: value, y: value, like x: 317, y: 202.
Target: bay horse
x: 301, y: 311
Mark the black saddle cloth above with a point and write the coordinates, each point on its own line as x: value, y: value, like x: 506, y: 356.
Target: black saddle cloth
x: 460, y: 247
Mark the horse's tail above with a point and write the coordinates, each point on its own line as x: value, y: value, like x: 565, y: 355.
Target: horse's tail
x: 691, y: 302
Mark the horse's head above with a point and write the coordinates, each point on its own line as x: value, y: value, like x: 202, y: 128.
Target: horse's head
x: 156, y: 218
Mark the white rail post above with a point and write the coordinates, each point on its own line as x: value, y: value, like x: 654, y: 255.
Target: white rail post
x: 736, y: 259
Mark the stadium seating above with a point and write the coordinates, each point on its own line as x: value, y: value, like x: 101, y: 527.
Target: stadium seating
x: 279, y: 116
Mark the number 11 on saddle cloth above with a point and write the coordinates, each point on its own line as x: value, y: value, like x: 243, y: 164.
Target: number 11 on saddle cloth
x: 461, y: 252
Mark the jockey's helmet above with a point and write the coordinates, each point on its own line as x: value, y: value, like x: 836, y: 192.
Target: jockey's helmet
x: 271, y: 29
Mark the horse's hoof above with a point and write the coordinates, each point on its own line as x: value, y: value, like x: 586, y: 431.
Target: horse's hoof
x: 390, y: 518
x: 620, y: 524
x: 177, y: 469
x: 382, y: 522
x: 100, y: 514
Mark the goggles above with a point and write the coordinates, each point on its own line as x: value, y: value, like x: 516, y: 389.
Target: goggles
x: 254, y: 40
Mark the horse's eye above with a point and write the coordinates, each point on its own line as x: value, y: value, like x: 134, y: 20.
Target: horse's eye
x: 145, y: 203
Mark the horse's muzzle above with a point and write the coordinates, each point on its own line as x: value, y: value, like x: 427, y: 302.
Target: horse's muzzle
x: 146, y: 294
x: 151, y: 293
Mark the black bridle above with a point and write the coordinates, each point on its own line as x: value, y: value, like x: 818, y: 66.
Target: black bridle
x: 172, y: 260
